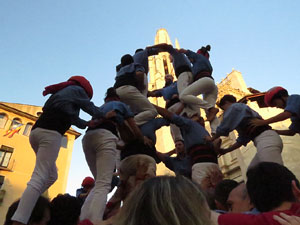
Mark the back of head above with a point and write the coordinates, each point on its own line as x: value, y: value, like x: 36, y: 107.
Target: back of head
x: 39, y: 212
x: 223, y: 190
x: 126, y: 60
x: 65, y: 210
x: 88, y: 182
x: 269, y: 185
x: 225, y: 99
x: 273, y: 93
x: 111, y: 94
x: 83, y: 82
x: 139, y: 50
x: 165, y: 200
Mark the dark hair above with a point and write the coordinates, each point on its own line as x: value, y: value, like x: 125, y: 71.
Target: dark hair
x: 111, y: 93
x: 126, y: 60
x: 227, y: 98
x: 280, y: 94
x: 223, y: 190
x: 208, y: 47
x: 139, y: 50
x: 65, y: 210
x: 269, y: 185
x: 37, y: 214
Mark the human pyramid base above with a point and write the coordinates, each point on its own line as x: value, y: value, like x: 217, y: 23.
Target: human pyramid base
x: 120, y: 143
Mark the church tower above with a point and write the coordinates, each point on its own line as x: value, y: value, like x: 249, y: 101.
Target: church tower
x: 159, y: 66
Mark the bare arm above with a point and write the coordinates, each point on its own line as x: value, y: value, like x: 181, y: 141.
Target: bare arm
x: 286, y: 132
x: 164, y: 113
x: 137, y: 132
x: 162, y: 156
x: 229, y: 149
x: 280, y: 117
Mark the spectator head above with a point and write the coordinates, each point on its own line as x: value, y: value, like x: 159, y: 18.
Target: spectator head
x: 65, y: 210
x: 238, y: 200
x: 134, y: 170
x: 40, y: 214
x: 165, y: 200
x: 88, y: 183
x: 222, y: 192
x: 126, y: 60
x: 226, y: 101
x: 179, y: 147
x: 168, y: 79
x: 270, y: 184
x: 111, y: 95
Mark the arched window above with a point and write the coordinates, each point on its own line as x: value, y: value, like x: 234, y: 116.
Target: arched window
x: 27, y: 129
x: 15, y: 124
x: 3, y: 120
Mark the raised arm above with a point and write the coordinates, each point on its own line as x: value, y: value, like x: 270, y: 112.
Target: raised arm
x: 137, y: 132
x: 286, y: 132
x: 164, y: 112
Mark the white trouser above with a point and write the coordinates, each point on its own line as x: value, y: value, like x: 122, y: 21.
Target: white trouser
x: 175, y: 131
x: 145, y: 91
x: 100, y: 151
x: 205, y: 86
x: 138, y: 103
x: 269, y: 147
x: 46, y: 145
x: 184, y: 80
x: 207, y: 175
x: 214, y: 124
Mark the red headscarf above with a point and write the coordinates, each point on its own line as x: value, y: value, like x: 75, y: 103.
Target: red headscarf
x: 74, y: 80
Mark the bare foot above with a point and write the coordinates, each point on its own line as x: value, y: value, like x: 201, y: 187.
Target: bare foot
x: 212, y: 112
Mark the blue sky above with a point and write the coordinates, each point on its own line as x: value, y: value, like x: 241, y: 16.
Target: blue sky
x: 44, y: 42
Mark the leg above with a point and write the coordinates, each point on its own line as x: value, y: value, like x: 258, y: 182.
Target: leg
x: 175, y: 131
x: 184, y: 80
x: 145, y: 91
x: 269, y: 147
x: 105, y: 147
x: 88, y: 146
x: 138, y: 104
x: 46, y: 144
x: 211, y: 98
x: 202, y: 86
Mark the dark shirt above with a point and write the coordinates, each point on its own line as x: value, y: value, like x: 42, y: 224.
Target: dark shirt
x: 179, y: 166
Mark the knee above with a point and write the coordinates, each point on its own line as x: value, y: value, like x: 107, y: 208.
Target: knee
x: 53, y: 177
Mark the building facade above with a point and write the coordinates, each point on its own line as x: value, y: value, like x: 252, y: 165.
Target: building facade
x: 17, y: 159
x: 234, y: 165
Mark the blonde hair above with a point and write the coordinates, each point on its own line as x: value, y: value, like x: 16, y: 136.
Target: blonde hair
x: 129, y: 165
x: 165, y: 200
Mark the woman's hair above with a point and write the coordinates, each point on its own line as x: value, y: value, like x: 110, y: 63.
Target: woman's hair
x: 165, y: 200
x: 126, y: 60
x: 37, y: 214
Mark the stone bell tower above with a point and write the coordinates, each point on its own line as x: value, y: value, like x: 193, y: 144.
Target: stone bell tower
x: 159, y: 66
